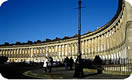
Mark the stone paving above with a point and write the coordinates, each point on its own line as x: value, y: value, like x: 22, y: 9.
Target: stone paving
x: 61, y: 73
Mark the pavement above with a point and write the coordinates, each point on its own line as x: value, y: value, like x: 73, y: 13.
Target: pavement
x: 61, y: 73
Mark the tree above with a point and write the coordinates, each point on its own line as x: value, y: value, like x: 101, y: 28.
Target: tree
x: 48, y: 39
x: 3, y: 59
x: 18, y: 43
x: 98, y: 62
x: 6, y: 44
x: 66, y: 37
x: 75, y: 35
x: 56, y: 39
x: 29, y: 42
x: 38, y: 41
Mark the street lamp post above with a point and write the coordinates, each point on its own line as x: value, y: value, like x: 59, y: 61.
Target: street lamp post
x: 78, y: 64
x: 79, y: 27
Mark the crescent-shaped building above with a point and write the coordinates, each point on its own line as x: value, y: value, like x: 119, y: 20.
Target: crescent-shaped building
x: 111, y: 41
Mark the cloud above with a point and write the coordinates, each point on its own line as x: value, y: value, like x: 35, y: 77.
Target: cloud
x: 2, y: 1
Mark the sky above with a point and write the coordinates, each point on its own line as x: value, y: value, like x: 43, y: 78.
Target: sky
x: 23, y: 20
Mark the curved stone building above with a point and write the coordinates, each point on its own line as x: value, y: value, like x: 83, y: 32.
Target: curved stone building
x: 111, y: 41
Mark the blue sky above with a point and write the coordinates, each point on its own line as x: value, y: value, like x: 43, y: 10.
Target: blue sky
x: 23, y: 20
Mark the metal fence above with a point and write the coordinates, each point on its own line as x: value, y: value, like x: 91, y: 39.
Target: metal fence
x: 122, y: 66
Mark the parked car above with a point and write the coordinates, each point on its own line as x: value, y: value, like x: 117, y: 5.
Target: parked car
x: 57, y: 64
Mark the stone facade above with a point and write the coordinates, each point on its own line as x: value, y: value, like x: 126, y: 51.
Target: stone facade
x: 112, y: 41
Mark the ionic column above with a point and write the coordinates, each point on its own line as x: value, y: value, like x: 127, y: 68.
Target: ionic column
x: 117, y: 35
x: 70, y: 49
x: 59, y: 50
x: 40, y: 50
x: 76, y: 49
x: 19, y: 52
x: 62, y: 50
x: 8, y: 52
x: 56, y: 53
x: 22, y: 52
x: 82, y: 47
x: 114, y: 37
x: 26, y: 52
x: 104, y: 45
x: 99, y: 43
x: 50, y: 49
x: 93, y: 47
x: 96, y: 45
x: 73, y: 49
x: 86, y: 43
x: 65, y: 49
x: 35, y: 52
x: 3, y: 52
x: 53, y: 51
x: 44, y: 51
x: 120, y: 38
x: 108, y: 41
x: 90, y: 48
x: 87, y: 46
x: 31, y: 53
x: 12, y: 53
x: 0, y: 52
x: 48, y: 52
x: 15, y: 52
